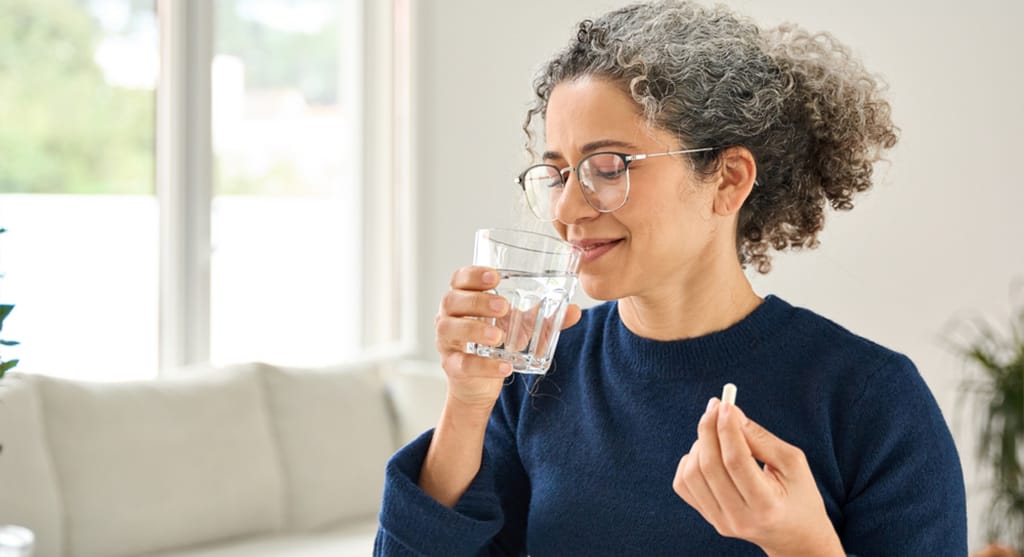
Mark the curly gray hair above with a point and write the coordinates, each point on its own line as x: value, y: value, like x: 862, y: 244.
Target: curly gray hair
x: 814, y: 119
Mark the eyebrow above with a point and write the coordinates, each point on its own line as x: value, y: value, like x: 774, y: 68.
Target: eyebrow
x: 592, y: 146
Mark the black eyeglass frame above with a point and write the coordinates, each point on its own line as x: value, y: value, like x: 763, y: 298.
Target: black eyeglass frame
x: 626, y: 159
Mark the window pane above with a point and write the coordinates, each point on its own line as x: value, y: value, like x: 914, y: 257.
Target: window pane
x: 286, y: 225
x: 76, y: 186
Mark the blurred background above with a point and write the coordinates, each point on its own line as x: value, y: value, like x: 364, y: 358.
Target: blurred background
x: 294, y: 181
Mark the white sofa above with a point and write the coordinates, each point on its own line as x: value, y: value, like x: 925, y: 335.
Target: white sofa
x: 249, y: 460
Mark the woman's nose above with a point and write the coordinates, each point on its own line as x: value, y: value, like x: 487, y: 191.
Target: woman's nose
x: 571, y: 207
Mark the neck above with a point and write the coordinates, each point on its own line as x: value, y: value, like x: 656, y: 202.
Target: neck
x: 703, y: 304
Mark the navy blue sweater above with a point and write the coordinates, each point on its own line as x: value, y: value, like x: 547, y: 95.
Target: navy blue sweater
x: 581, y: 461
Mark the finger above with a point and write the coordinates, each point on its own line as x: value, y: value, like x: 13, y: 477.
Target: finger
x: 785, y: 459
x: 467, y: 303
x: 738, y: 459
x: 454, y: 332
x: 679, y: 483
x: 463, y: 366
x: 475, y: 277
x: 711, y: 465
x: 572, y: 316
x: 697, y: 486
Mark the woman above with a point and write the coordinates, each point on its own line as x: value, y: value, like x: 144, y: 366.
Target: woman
x: 682, y: 143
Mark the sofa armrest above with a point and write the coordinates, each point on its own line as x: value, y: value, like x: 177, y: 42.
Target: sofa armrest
x: 29, y: 492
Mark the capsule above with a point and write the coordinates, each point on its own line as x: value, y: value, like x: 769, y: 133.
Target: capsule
x: 729, y: 394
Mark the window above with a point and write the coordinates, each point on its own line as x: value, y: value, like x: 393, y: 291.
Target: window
x: 187, y: 183
x: 76, y: 186
x: 286, y: 228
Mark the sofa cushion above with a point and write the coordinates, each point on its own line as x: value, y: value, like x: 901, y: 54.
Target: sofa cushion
x: 152, y: 465
x: 417, y: 391
x: 353, y: 539
x: 29, y: 495
x: 335, y: 435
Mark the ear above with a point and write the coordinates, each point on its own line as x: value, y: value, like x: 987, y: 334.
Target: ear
x: 735, y: 180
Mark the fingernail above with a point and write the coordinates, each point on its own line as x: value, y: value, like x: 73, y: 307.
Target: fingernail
x: 492, y: 334
x: 725, y: 409
x: 505, y: 368
x: 498, y: 304
x: 490, y: 276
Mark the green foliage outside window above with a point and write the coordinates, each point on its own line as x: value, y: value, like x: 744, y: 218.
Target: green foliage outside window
x: 274, y: 58
x: 66, y: 130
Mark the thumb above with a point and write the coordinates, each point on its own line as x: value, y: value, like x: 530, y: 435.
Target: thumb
x: 769, y: 449
x: 572, y: 316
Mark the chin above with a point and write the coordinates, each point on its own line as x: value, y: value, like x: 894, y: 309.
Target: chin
x: 600, y: 288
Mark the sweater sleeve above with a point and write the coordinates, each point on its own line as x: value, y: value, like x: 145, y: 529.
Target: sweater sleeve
x: 905, y: 488
x: 489, y: 519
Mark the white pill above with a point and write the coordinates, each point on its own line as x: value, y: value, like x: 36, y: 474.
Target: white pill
x: 729, y: 394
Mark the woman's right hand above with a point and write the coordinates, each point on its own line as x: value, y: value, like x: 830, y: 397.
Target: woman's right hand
x: 475, y: 381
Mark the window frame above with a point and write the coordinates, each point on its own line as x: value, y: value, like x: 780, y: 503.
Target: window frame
x: 184, y: 180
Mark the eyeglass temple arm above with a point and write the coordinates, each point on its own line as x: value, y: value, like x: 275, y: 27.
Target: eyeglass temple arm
x: 641, y: 157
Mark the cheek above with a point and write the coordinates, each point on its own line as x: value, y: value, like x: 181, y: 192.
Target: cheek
x: 697, y: 198
x: 681, y: 225
x: 697, y: 209
x: 656, y: 231
x: 670, y: 209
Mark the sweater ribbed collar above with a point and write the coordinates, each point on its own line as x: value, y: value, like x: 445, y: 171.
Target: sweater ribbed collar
x: 659, y: 359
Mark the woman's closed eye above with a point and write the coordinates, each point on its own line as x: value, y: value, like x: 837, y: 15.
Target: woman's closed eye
x: 611, y: 173
x: 554, y: 182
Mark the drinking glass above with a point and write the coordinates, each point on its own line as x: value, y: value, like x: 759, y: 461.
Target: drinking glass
x: 538, y: 278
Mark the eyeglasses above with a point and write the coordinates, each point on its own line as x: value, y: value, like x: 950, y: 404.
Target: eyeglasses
x: 603, y: 179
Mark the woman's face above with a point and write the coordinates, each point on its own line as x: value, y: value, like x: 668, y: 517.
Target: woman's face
x: 664, y: 235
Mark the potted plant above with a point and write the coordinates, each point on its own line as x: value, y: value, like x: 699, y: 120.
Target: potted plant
x: 5, y: 310
x: 14, y: 538
x: 995, y: 385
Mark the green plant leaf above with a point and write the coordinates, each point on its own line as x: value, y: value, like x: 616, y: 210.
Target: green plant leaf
x: 4, y: 366
x: 5, y: 310
x: 994, y: 357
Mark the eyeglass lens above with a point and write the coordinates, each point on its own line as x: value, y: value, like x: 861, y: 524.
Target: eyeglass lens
x: 603, y: 178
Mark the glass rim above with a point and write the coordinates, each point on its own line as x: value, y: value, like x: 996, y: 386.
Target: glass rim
x: 563, y: 247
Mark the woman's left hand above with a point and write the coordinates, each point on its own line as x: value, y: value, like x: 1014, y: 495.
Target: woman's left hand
x: 778, y: 507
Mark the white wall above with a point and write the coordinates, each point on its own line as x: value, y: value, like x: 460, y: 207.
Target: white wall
x: 936, y: 239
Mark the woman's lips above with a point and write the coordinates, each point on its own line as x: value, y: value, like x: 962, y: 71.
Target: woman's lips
x: 593, y: 249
